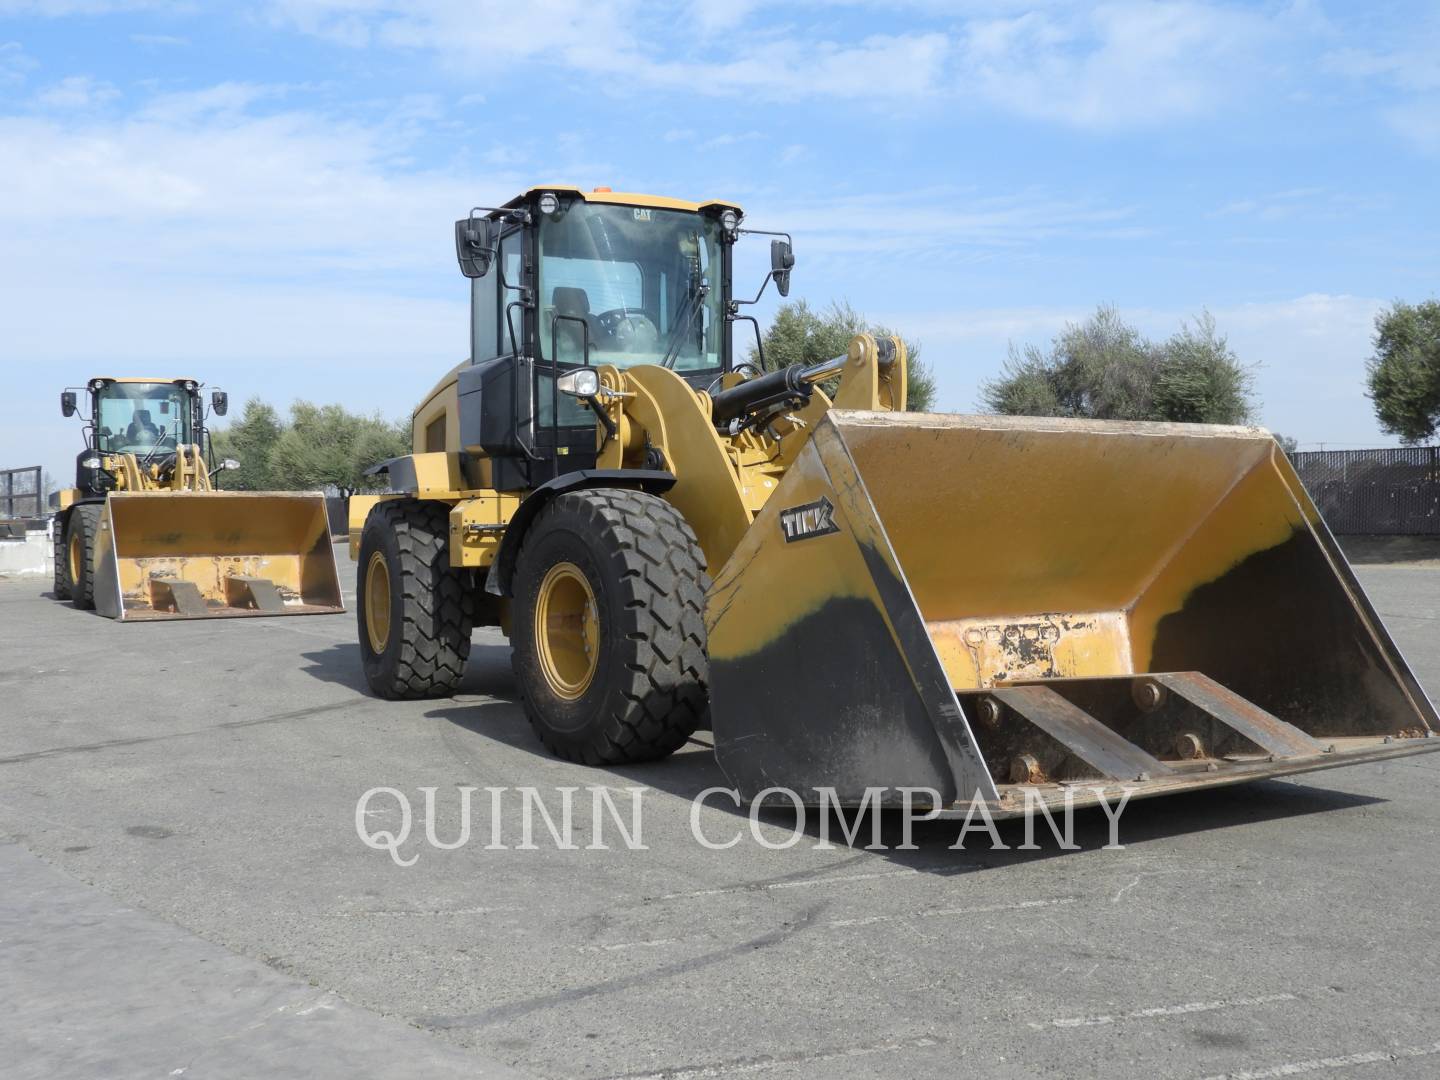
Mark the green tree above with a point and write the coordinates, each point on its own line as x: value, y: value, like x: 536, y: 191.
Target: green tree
x: 249, y: 441
x: 326, y: 446
x: 1105, y: 369
x: 1403, y: 375
x: 801, y: 335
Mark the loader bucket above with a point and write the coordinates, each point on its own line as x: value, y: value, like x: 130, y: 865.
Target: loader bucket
x: 982, y: 605
x: 202, y: 555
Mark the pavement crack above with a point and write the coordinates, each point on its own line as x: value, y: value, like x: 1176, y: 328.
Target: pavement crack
x: 140, y: 740
x: 647, y: 978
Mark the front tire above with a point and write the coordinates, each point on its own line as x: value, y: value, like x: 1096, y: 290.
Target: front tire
x: 80, y: 533
x: 415, y: 612
x: 609, y: 629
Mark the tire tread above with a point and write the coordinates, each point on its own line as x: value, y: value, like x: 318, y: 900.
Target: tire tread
x: 437, y: 608
x: 662, y: 686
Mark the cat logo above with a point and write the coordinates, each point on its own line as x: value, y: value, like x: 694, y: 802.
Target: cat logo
x: 809, y: 520
x: 641, y: 213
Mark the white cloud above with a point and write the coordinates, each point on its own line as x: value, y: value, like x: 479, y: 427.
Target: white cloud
x: 1413, y: 67
x: 1418, y: 122
x: 280, y: 244
x: 1408, y: 68
x: 76, y: 92
x: 954, y: 222
x: 624, y: 41
x: 15, y: 63
x: 1314, y: 203
x: 210, y: 183
x: 1114, y: 65
x: 716, y: 15
x: 238, y: 178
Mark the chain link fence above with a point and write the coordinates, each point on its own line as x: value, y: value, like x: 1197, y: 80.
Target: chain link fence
x: 1375, y: 492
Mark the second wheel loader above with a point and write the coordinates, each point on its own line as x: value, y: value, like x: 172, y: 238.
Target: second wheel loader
x: 144, y: 534
x: 862, y: 598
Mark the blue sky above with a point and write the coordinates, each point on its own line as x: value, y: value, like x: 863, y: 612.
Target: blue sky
x: 261, y: 194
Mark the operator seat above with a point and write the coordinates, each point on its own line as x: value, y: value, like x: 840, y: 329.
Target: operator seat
x: 142, y: 429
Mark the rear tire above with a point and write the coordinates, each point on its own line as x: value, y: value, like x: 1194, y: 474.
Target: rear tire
x: 615, y: 672
x: 415, y: 612
x: 60, y: 552
x: 80, y: 533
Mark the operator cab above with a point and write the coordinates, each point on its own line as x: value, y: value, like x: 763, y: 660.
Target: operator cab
x: 148, y: 418
x: 562, y: 279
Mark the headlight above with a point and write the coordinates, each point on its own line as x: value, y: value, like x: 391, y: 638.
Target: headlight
x: 729, y: 221
x: 549, y: 203
x: 581, y: 383
x: 90, y: 463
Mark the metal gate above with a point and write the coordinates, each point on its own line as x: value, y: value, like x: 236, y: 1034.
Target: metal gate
x: 20, y: 494
x: 1375, y: 492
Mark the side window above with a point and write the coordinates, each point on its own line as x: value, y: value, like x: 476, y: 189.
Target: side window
x: 510, y: 264
x: 485, y: 326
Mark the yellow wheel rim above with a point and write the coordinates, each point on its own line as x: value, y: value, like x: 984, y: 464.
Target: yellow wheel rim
x: 567, y: 631
x: 377, y: 602
x: 76, y: 554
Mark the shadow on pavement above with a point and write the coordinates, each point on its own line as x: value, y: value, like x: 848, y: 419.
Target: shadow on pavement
x: 487, y: 673
x: 694, y: 770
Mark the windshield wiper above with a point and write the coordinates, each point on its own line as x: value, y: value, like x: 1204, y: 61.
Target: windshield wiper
x: 683, y: 322
x: 164, y: 435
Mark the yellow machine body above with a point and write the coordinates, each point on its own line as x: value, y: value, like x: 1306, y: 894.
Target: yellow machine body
x: 973, y: 606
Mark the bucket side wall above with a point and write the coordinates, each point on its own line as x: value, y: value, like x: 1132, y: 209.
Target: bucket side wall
x: 1259, y: 602
x: 810, y: 683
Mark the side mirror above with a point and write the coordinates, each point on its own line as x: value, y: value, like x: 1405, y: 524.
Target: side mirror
x: 782, y: 259
x: 220, y: 402
x: 67, y: 403
x: 474, y: 245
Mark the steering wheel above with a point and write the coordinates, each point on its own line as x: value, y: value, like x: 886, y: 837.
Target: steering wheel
x: 629, y: 329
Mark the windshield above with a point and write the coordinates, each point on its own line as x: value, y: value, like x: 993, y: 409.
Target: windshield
x: 639, y: 283
x: 139, y: 417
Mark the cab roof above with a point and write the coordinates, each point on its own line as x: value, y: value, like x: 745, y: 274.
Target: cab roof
x: 625, y: 198
x: 138, y: 379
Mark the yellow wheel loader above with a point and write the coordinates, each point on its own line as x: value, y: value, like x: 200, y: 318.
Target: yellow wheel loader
x: 144, y: 535
x: 862, y: 599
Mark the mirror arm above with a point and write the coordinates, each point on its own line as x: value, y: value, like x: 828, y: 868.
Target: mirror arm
x: 759, y: 294
x: 789, y: 243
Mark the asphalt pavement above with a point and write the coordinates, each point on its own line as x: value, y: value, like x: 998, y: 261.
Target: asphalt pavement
x: 186, y: 893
